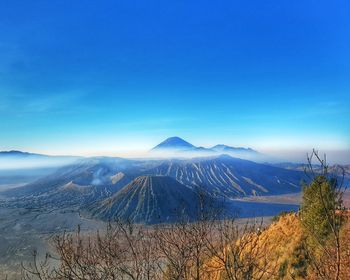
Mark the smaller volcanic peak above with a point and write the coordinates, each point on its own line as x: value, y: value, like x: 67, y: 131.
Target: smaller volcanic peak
x: 117, y: 177
x: 73, y: 187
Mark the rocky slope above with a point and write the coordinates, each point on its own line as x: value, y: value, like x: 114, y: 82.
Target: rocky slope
x: 229, y: 176
x: 149, y: 199
x: 94, y: 179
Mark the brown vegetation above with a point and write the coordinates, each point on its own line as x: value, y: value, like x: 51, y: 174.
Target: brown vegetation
x: 327, y: 268
x: 202, y: 250
x: 275, y: 250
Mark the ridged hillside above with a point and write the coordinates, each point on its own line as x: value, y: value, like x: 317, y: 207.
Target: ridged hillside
x: 149, y: 199
x: 232, y: 176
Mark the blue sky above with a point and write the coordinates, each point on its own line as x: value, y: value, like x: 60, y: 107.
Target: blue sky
x: 101, y: 77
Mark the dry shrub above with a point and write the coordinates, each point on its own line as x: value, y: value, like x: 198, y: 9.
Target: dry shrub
x: 327, y: 263
x: 274, y: 253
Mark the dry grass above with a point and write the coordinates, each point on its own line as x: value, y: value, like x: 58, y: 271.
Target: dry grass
x: 273, y: 248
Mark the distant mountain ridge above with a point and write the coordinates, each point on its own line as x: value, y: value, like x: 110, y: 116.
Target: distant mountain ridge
x: 177, y: 146
x: 19, y: 153
x: 15, y: 159
x: 225, y: 148
x: 28, y: 154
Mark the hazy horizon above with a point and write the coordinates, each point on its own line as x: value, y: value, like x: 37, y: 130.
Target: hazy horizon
x: 122, y: 76
x: 268, y: 155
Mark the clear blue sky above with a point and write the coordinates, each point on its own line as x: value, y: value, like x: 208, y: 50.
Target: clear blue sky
x: 89, y: 77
